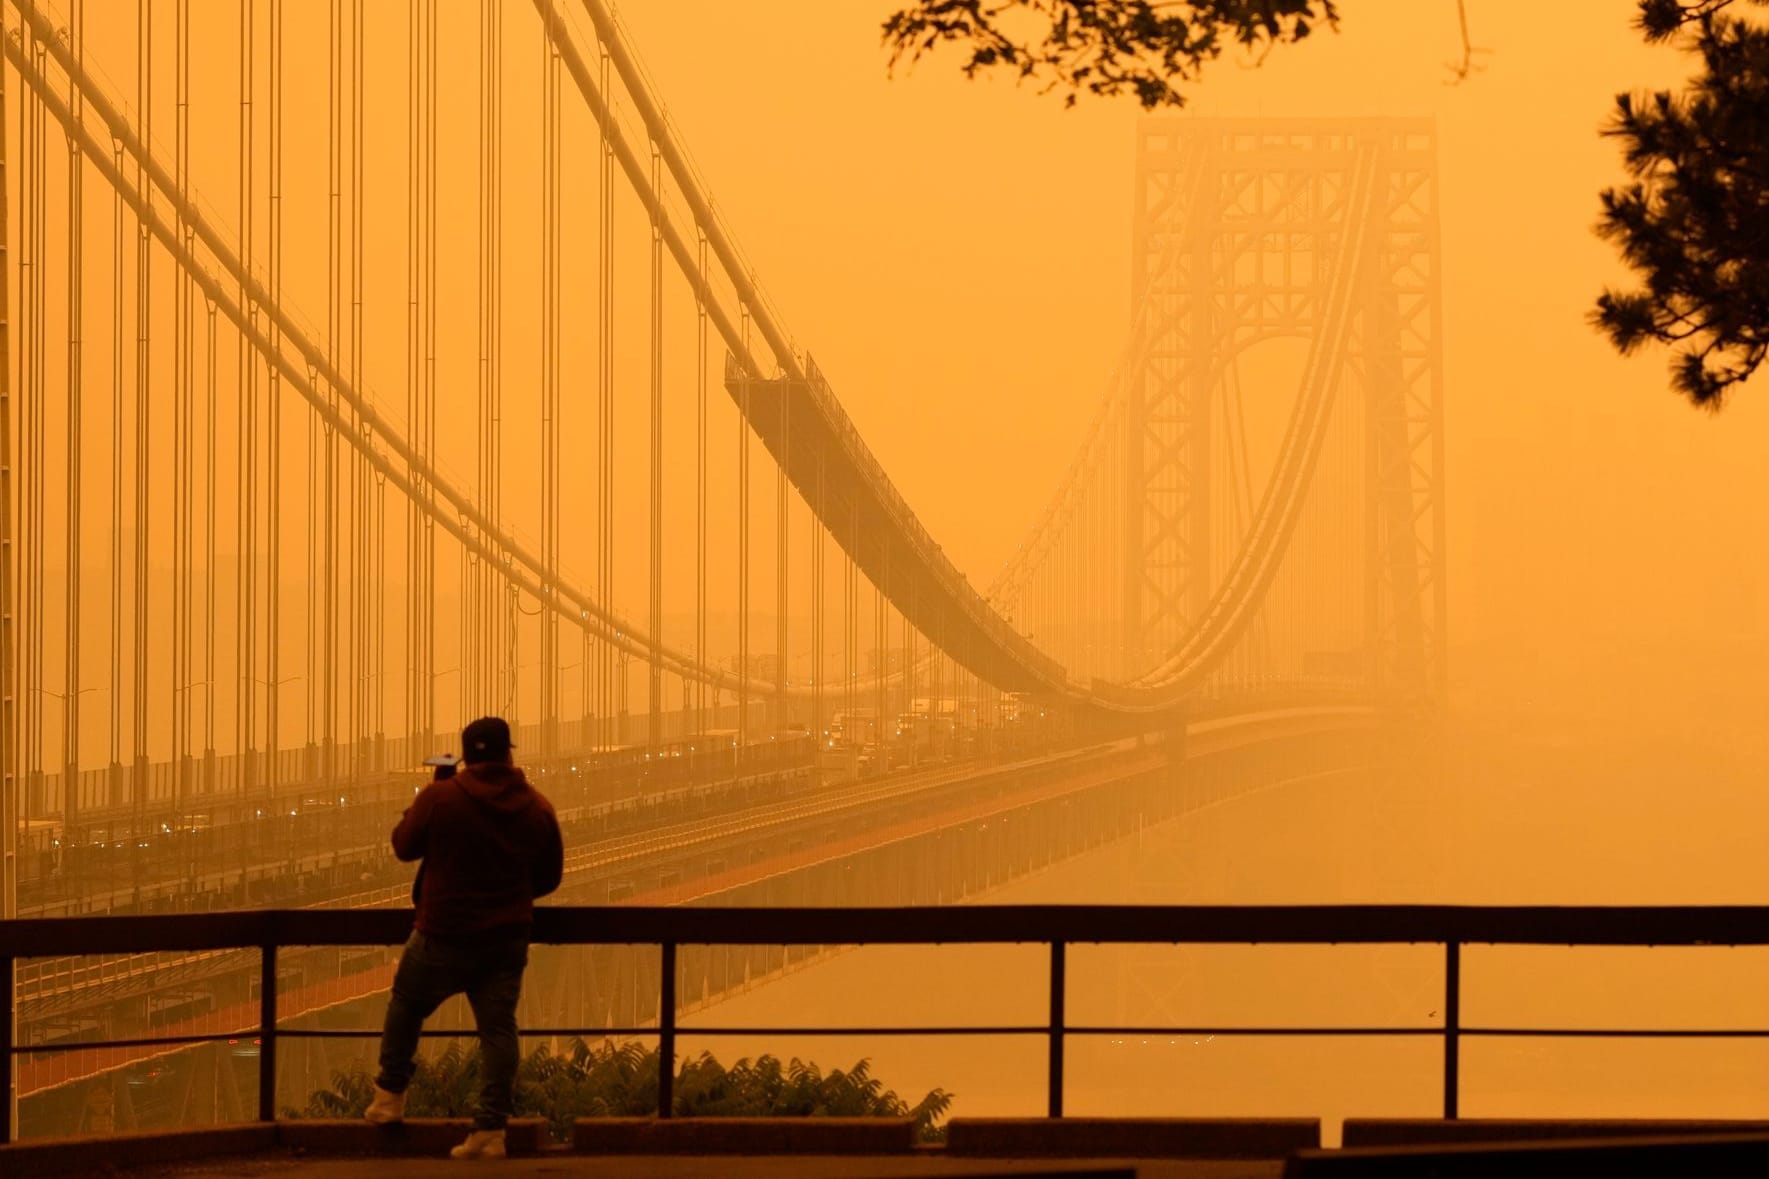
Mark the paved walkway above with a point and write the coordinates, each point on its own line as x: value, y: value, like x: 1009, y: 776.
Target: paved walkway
x: 567, y: 1166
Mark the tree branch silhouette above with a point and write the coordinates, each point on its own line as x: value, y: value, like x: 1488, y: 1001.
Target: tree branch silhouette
x: 1693, y: 220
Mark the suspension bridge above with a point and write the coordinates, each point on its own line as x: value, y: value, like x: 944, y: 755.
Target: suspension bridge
x: 397, y: 368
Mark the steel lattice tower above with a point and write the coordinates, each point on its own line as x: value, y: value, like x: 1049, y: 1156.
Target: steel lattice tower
x: 1238, y: 228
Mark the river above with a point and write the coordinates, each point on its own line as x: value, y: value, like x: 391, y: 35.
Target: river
x: 1647, y: 790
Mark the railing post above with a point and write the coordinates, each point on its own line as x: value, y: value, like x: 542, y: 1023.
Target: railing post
x: 7, y: 1059
x: 1058, y: 1003
x: 267, y: 1033
x: 666, y: 1031
x: 1452, y: 1027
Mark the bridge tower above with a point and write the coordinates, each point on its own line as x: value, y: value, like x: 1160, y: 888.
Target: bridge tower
x: 1237, y: 235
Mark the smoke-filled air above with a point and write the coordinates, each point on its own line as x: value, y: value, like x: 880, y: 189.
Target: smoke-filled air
x: 910, y: 559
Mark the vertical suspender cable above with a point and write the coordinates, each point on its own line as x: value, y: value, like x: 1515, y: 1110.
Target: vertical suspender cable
x: 550, y: 320
x: 605, y: 418
x: 548, y: 632
x: 273, y: 415
x: 30, y: 473
x: 211, y: 401
x: 816, y: 726
x: 479, y: 629
x: 352, y: 559
x: 420, y: 393
x: 512, y: 597
x: 335, y: 328
x: 39, y: 447
x: 555, y: 296
x: 782, y: 567
x: 743, y: 553
x: 653, y: 731
x: 116, y: 663
x: 364, y: 623
x: 245, y: 707
x: 209, y: 511
x: 880, y: 659
x: 907, y: 705
x: 413, y: 424
x: 508, y: 696
x: 475, y: 618
x: 585, y: 672
x: 702, y: 359
x: 851, y: 628
x: 143, y: 243
x: 70, y: 758
x: 183, y: 473
x: 8, y: 717
x: 321, y: 509
x: 428, y: 648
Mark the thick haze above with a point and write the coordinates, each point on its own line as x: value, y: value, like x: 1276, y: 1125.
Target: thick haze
x: 956, y: 256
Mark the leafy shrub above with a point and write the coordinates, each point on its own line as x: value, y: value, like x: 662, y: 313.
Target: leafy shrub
x: 621, y: 1081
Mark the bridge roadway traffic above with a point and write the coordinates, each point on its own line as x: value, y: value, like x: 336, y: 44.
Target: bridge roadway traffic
x: 91, y: 999
x: 44, y: 979
x: 226, y: 849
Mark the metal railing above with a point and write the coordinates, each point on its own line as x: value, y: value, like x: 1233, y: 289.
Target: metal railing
x: 1054, y: 926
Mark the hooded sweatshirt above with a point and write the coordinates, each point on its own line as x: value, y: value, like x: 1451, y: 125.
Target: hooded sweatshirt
x: 490, y: 845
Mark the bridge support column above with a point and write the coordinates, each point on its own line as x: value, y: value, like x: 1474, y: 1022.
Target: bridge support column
x: 1241, y: 237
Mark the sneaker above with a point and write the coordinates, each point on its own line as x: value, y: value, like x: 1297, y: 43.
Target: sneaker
x: 480, y: 1144
x: 385, y: 1108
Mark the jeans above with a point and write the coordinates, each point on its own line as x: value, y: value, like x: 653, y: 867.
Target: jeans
x: 489, y: 969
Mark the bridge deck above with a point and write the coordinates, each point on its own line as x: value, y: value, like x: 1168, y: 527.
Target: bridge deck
x: 806, y: 430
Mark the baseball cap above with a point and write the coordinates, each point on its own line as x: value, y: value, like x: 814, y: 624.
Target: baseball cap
x: 486, y: 739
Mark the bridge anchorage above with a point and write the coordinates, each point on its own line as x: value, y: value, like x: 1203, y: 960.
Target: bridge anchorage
x: 275, y: 518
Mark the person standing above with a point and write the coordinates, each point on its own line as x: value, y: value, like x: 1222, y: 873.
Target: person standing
x: 490, y: 845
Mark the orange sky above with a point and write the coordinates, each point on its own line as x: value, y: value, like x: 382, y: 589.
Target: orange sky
x: 957, y: 253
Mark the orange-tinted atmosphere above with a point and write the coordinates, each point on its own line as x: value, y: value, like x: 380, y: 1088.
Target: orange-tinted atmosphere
x: 364, y: 379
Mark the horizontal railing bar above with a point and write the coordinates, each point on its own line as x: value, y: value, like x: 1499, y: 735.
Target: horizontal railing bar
x: 603, y: 1033
x: 890, y: 1030
x: 1003, y: 1030
x: 894, y: 1029
x: 1588, y: 925
x: 1625, y: 1033
x: 1386, y: 1030
x: 147, y: 1042
x: 980, y: 1030
x: 458, y: 1033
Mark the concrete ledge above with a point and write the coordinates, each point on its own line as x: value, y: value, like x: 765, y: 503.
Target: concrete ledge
x: 410, y: 1138
x: 744, y: 1135
x: 1131, y: 1138
x: 91, y: 1155
x: 1432, y: 1131
x: 1725, y: 1156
